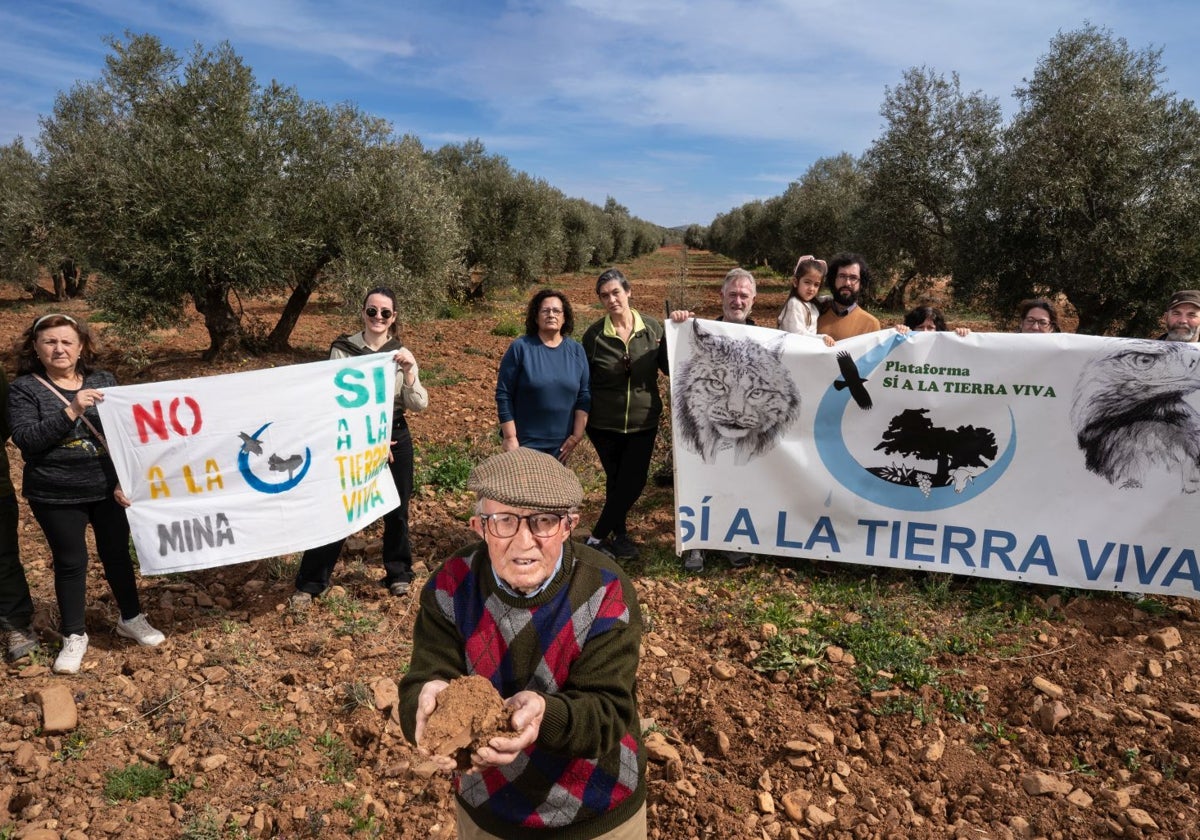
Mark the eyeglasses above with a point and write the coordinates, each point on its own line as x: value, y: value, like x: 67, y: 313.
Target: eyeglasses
x: 628, y: 362
x: 382, y: 313
x: 1040, y: 323
x: 849, y: 278
x: 549, y: 311
x: 505, y: 525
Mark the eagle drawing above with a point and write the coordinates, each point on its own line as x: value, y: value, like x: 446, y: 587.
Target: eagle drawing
x: 1130, y: 414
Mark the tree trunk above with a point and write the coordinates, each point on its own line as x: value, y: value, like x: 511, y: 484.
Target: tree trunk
x: 223, y: 324
x: 894, y: 299
x: 281, y: 333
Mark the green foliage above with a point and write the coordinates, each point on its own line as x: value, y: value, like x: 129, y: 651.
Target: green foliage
x: 276, y: 739
x: 1094, y: 190
x: 339, y: 764
x: 354, y: 621
x: 178, y: 789
x: 133, y: 782
x: 207, y: 826
x: 918, y: 172
x: 437, y: 375
x: 73, y: 746
x: 27, y: 237
x: 444, y: 467
x: 508, y: 329
x: 142, y: 161
x: 1131, y: 758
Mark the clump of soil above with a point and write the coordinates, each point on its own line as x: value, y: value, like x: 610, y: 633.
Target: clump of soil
x: 469, y: 713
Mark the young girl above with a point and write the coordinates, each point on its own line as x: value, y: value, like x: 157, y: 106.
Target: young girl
x: 800, y: 313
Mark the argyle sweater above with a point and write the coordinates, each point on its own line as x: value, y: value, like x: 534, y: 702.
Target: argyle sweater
x: 576, y: 643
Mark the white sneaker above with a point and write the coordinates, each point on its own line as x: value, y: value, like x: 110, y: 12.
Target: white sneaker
x: 71, y: 656
x: 139, y: 629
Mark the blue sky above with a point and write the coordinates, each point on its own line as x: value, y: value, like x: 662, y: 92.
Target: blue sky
x: 679, y: 110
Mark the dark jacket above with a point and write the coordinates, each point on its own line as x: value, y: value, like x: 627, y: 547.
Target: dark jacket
x: 625, y: 397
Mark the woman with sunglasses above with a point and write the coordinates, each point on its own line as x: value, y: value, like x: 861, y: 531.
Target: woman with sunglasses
x: 542, y: 394
x: 625, y: 352
x: 69, y: 479
x: 379, y: 335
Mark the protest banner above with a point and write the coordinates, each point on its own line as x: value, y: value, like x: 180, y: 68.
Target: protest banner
x: 225, y: 469
x: 1056, y: 459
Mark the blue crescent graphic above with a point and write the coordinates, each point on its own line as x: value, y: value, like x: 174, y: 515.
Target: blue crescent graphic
x: 243, y: 462
x: 827, y: 428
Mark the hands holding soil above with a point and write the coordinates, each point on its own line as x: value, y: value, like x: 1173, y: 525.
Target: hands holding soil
x: 465, y: 725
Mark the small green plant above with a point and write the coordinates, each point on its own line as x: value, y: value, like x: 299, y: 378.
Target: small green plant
x: 507, y: 329
x: 339, y: 761
x: 276, y: 739
x: 178, y: 789
x: 348, y: 611
x: 998, y: 731
x: 73, y: 746
x: 437, y: 375
x: 444, y: 467
x: 1132, y: 759
x: 133, y: 782
x: 959, y: 703
x: 206, y: 826
x: 1078, y: 765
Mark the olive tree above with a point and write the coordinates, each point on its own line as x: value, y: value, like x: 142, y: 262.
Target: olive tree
x: 1093, y: 192
x: 26, y: 237
x: 918, y: 172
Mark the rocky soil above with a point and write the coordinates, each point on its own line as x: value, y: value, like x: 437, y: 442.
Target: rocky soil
x: 254, y: 720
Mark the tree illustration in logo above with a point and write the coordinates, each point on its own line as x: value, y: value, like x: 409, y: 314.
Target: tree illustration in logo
x: 961, y: 454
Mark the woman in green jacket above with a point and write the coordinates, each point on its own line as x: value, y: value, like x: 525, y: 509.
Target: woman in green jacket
x: 625, y: 352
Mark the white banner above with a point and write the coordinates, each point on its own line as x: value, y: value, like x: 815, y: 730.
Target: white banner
x: 1057, y: 459
x: 225, y: 469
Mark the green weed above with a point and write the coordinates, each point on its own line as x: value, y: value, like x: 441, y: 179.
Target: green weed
x: 133, y: 782
x: 437, y: 375
x: 444, y: 467
x: 178, y: 789
x: 73, y: 746
x: 339, y: 761
x: 276, y: 739
x: 508, y: 329
x: 1132, y: 759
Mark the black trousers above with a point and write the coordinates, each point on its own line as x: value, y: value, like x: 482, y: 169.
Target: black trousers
x: 317, y: 564
x: 16, y: 607
x: 626, y: 462
x: 65, y: 527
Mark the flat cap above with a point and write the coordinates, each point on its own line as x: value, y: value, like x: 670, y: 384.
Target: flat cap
x: 526, y: 478
x: 1191, y: 296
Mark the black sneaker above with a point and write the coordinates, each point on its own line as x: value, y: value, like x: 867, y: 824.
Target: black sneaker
x: 693, y: 560
x: 623, y: 548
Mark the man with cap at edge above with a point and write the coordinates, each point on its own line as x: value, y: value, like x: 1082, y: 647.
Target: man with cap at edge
x: 1183, y: 316
x: 556, y: 627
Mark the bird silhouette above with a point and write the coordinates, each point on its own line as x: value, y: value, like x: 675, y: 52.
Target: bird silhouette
x: 250, y: 444
x: 853, y: 380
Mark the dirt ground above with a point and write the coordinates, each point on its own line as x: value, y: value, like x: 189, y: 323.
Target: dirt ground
x: 271, y: 723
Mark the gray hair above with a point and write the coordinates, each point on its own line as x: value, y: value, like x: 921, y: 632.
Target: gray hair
x: 738, y: 274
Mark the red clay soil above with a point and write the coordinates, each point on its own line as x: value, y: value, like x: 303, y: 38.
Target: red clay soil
x: 269, y: 722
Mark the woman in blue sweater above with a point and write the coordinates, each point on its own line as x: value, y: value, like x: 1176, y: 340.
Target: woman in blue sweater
x: 542, y: 393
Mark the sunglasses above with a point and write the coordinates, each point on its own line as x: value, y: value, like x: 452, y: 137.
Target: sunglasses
x: 382, y: 313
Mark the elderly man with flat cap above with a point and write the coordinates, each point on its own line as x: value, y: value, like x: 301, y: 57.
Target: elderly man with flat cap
x: 1183, y: 316
x: 555, y: 626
